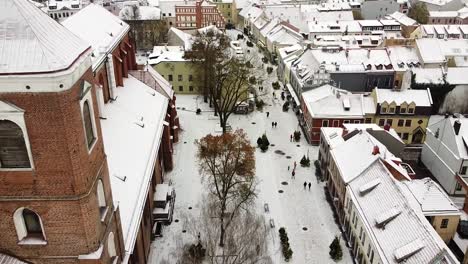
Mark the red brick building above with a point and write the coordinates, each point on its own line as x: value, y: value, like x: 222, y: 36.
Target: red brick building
x: 55, y: 194
x: 328, y: 106
x: 200, y: 15
x: 82, y: 142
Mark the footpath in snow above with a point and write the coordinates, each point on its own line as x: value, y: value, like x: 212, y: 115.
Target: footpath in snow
x: 304, y: 213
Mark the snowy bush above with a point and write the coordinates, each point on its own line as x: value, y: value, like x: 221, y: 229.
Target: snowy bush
x: 269, y: 70
x: 275, y: 85
x: 285, y: 247
x: 297, y: 135
x: 197, y: 252
x: 240, y: 36
x: 335, y: 249
x: 305, y: 161
x: 252, y: 79
x: 198, y: 111
x: 249, y: 44
x: 263, y: 142
x: 249, y: 64
x: 259, y: 104
x: 265, y: 60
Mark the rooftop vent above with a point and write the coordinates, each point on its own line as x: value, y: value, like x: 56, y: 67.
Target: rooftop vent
x: 457, y: 126
x: 375, y: 150
x: 383, y: 219
x: 408, y: 250
x: 346, y: 104
x: 369, y: 186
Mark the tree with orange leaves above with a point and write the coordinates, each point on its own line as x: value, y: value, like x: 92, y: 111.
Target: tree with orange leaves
x: 227, y: 165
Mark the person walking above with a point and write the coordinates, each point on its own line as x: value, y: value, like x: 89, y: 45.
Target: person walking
x: 305, y: 184
x: 288, y: 167
x: 276, y: 124
x: 295, y: 164
x: 293, y: 174
x: 309, y: 185
x: 268, y: 114
x: 272, y: 124
x: 290, y: 138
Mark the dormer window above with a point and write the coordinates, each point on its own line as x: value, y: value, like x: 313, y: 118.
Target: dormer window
x: 410, y: 110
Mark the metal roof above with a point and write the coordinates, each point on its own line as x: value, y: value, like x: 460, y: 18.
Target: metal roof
x: 32, y: 42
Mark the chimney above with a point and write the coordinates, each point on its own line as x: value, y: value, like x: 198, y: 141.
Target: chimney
x: 457, y: 126
x: 375, y: 150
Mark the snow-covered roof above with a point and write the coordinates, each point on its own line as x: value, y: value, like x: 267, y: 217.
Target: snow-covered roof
x: 370, y: 23
x: 286, y: 52
x: 98, y: 27
x: 430, y: 51
x: 457, y: 75
x: 144, y: 13
x: 428, y: 75
x: 405, y: 234
x: 457, y: 144
x: 329, y: 101
x: 137, y: 114
x: 161, y: 192
x: 443, y: 13
x: 63, y: 5
x: 334, y: 26
x: 251, y: 12
x: 431, y: 197
x: 168, y: 6
x: 166, y: 54
x: 32, y: 42
x: 269, y: 26
x: 182, y: 37
x: 372, y: 57
x: 332, y: 136
x: 403, y: 58
x: 403, y: 19
x: 161, y: 81
x: 282, y: 35
x: 419, y: 97
x: 355, y: 155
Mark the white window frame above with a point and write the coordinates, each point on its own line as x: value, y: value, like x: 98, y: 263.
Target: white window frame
x: 111, y: 251
x: 21, y: 231
x: 16, y: 115
x: 101, y: 197
x: 88, y: 97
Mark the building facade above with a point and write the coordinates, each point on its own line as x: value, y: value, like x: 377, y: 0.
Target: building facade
x: 445, y: 154
x: 407, y: 111
x: 200, y: 15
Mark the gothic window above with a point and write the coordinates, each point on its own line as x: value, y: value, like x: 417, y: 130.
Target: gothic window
x: 88, y: 124
x: 28, y: 226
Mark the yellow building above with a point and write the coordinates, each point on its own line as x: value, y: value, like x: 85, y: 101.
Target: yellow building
x: 406, y: 111
x: 180, y: 73
x: 225, y: 7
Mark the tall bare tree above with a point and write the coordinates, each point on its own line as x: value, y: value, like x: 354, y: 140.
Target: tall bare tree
x: 227, y: 164
x: 208, y: 49
x: 231, y: 88
x: 246, y: 239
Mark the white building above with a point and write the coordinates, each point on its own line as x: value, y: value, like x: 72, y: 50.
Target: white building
x: 445, y: 152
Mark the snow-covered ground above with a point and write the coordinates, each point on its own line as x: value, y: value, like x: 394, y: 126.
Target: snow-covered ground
x: 295, y: 209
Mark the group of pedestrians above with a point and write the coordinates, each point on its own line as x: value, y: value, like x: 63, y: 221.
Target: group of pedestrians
x: 274, y: 124
x: 293, y: 175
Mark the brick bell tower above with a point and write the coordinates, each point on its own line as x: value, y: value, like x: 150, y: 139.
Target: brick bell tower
x: 55, y: 197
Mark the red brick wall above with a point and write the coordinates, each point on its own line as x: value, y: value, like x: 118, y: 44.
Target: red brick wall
x: 62, y: 186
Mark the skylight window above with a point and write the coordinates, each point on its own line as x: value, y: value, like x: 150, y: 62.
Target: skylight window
x: 369, y: 186
x: 383, y: 219
x: 408, y: 250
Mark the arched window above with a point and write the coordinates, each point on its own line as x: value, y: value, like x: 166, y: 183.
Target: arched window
x: 28, y: 226
x: 111, y: 245
x: 88, y: 124
x: 100, y: 194
x: 13, y: 151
